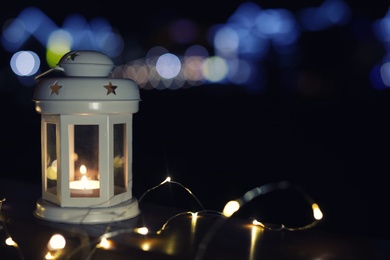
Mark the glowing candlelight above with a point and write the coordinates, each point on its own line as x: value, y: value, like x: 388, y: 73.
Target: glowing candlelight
x: 84, y: 182
x: 84, y: 185
x: 83, y: 169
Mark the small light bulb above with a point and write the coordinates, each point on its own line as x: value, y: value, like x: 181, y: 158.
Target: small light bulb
x: 257, y: 223
x: 194, y: 215
x: 142, y: 230
x: 104, y: 243
x: 10, y: 242
x: 230, y: 208
x: 56, y: 242
x: 168, y: 179
x: 316, y: 211
x: 49, y: 256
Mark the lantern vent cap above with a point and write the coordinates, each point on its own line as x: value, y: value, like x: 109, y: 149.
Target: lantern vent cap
x: 85, y: 63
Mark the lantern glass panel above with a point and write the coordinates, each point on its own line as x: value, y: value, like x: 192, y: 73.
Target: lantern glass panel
x: 51, y: 158
x: 84, y: 175
x: 120, y: 159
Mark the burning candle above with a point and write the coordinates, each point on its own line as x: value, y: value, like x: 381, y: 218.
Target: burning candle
x: 84, y: 186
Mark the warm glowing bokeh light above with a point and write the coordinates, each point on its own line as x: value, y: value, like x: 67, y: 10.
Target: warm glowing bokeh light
x: 49, y: 256
x: 316, y: 211
x: 146, y: 246
x: 230, y: 208
x: 104, y: 243
x: 142, y: 230
x: 257, y: 223
x: 10, y: 242
x: 56, y: 242
x: 168, y: 179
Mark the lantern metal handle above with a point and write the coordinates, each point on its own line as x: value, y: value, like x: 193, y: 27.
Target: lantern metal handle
x: 48, y: 71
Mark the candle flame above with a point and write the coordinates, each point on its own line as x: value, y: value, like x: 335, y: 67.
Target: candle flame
x: 83, y: 169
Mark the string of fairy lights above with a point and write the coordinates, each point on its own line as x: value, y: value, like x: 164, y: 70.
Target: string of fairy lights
x: 57, y: 243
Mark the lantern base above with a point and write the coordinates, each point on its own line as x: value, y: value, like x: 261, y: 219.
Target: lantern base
x: 52, y: 212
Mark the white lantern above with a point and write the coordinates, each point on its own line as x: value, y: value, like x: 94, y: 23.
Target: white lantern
x: 86, y: 141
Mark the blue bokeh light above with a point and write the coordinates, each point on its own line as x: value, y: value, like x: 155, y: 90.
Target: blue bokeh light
x: 25, y: 63
x: 168, y: 65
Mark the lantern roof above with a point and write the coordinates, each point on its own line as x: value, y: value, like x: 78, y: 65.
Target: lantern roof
x: 86, y: 80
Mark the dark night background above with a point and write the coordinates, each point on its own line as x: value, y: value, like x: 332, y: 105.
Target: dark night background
x: 220, y: 140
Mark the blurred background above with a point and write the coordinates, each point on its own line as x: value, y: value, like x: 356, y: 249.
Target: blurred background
x: 234, y: 96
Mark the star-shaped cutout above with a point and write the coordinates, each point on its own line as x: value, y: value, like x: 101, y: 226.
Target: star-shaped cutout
x: 110, y: 88
x: 72, y: 55
x: 54, y: 88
